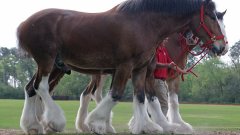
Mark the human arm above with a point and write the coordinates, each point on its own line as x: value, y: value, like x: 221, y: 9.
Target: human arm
x: 162, y: 65
x: 173, y: 66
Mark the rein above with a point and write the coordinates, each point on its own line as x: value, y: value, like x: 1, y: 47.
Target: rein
x: 185, y: 48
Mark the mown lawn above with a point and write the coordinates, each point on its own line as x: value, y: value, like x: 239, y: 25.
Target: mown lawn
x: 203, y: 117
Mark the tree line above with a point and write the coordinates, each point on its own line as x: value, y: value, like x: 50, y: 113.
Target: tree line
x: 217, y: 82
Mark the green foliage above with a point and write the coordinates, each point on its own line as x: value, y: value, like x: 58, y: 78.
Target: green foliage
x: 72, y: 85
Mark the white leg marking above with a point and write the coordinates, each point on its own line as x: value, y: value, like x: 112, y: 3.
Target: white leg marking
x: 140, y: 122
x: 158, y: 116
x: 97, y: 119
x: 98, y: 98
x: 82, y: 114
x: 98, y: 92
x: 29, y: 119
x: 53, y: 116
x: 174, y: 115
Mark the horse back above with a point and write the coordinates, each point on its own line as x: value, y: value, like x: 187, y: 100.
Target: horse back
x: 86, y: 40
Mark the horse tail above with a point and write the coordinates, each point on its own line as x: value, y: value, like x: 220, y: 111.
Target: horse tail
x: 21, y: 45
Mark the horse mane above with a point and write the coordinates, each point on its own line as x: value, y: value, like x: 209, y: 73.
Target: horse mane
x: 171, y: 7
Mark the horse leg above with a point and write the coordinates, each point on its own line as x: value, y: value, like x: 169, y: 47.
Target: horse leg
x: 98, y: 91
x: 173, y: 112
x: 33, y: 107
x: 140, y: 122
x: 54, y: 78
x: 153, y: 104
x: 84, y: 102
x: 53, y: 119
x: 97, y: 94
x: 98, y: 118
x: 32, y: 110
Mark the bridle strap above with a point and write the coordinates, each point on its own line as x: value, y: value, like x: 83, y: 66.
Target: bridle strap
x: 185, y: 48
x: 206, y: 46
x: 213, y: 38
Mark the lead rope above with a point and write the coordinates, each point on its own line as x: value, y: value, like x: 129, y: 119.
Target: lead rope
x: 185, y: 47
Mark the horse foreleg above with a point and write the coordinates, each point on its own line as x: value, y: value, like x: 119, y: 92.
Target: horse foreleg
x: 157, y: 116
x: 97, y: 119
x: 174, y: 115
x: 140, y: 122
x: 153, y: 104
x: 32, y: 111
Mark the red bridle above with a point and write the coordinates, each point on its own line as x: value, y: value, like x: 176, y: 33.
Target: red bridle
x: 205, y: 47
x: 213, y: 37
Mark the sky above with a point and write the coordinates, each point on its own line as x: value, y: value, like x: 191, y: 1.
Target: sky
x: 13, y: 12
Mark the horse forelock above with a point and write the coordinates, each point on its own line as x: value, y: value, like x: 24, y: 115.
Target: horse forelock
x: 171, y: 7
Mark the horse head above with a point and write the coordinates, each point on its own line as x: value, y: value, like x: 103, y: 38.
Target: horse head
x: 209, y: 27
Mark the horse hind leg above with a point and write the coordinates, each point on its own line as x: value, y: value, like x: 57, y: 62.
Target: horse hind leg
x: 33, y: 107
x: 97, y: 93
x: 53, y: 119
x: 83, y: 108
x: 32, y: 111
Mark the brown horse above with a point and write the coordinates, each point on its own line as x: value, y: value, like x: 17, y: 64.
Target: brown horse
x: 122, y: 40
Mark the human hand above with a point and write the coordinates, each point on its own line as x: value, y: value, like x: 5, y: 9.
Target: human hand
x: 171, y: 65
x: 185, y: 71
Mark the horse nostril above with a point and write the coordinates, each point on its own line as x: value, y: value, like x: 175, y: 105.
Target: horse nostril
x: 223, y: 48
x: 214, y: 50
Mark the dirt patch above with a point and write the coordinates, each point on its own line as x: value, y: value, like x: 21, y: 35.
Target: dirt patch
x: 217, y: 133
x: 19, y: 132
x: 10, y: 132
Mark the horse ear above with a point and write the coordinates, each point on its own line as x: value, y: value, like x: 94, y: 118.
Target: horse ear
x: 223, y: 13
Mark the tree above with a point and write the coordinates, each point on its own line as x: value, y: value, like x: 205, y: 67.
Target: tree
x: 235, y: 56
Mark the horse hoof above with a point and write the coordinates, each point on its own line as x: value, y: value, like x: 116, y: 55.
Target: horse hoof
x: 82, y: 128
x: 170, y: 128
x: 97, y: 127
x: 32, y: 128
x: 33, y: 131
x: 184, y: 128
x: 149, y: 127
x: 53, y: 127
x: 110, y: 129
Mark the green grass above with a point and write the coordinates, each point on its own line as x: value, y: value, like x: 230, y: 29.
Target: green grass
x: 206, y: 117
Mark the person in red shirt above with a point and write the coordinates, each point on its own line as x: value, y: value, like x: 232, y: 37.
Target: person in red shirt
x: 161, y: 74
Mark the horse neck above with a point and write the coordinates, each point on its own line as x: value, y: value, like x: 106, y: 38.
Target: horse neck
x: 161, y: 25
x: 176, y: 51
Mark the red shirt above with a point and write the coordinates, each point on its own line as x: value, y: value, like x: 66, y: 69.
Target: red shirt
x: 162, y: 57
